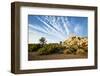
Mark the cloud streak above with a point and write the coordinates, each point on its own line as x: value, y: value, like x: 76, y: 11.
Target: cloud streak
x: 55, y: 28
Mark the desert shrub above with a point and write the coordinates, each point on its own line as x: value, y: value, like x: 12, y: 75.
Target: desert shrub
x: 80, y: 52
x: 42, y: 51
x: 50, y: 49
x: 33, y: 47
x: 45, y: 50
x: 73, y: 50
x: 67, y: 51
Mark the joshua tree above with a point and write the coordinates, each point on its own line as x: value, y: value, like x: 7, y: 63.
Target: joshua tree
x: 42, y: 40
x: 60, y: 42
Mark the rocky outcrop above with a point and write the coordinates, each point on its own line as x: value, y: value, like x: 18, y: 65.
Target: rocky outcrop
x: 76, y: 45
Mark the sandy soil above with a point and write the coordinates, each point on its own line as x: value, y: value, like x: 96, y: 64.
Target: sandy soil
x: 34, y: 56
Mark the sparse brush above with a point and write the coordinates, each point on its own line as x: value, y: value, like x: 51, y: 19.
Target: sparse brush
x: 80, y: 52
x: 67, y: 51
x: 50, y: 49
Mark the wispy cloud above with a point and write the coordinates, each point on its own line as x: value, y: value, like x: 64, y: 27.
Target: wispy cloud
x: 55, y: 28
x: 78, y: 29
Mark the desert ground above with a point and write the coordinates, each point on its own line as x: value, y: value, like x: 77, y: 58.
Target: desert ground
x: 34, y: 56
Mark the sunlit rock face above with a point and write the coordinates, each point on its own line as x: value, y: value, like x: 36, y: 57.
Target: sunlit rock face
x: 78, y: 44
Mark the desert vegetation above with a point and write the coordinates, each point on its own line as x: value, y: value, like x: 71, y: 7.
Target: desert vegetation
x: 72, y: 46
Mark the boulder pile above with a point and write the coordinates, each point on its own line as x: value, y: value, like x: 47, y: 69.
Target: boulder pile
x: 76, y: 45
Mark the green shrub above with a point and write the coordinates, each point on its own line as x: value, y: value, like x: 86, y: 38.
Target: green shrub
x: 50, y: 49
x: 42, y: 51
x: 33, y: 47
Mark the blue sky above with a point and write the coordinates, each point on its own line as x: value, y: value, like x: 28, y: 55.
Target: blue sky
x: 55, y: 28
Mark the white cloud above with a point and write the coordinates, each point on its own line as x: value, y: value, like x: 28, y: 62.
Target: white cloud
x: 78, y: 29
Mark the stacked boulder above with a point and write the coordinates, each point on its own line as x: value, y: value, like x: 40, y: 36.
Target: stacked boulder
x: 76, y: 45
